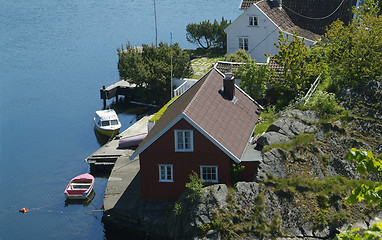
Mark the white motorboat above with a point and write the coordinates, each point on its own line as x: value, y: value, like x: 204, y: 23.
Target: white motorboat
x: 107, y: 122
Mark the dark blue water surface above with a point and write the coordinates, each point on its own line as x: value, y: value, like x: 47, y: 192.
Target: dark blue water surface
x: 55, y: 55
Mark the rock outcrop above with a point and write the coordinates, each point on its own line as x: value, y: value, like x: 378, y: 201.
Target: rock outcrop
x: 255, y: 211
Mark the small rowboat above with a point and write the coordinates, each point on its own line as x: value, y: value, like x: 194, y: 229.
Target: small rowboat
x: 79, y: 187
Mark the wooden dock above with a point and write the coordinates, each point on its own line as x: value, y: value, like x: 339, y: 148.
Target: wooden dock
x: 102, y: 161
x: 119, y: 88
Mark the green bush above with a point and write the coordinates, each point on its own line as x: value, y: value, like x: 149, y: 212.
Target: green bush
x: 322, y: 201
x: 285, y: 191
x: 323, y: 102
x: 194, y: 187
x: 320, y: 219
x: 275, y: 226
x: 236, y: 170
x: 179, y: 209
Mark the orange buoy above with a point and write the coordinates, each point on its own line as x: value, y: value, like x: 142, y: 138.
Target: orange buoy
x: 23, y: 210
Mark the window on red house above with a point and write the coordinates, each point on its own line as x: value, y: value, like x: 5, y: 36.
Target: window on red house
x: 165, y: 173
x: 209, y: 173
x: 184, y: 141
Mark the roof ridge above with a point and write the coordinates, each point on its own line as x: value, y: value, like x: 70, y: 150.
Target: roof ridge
x: 207, y: 75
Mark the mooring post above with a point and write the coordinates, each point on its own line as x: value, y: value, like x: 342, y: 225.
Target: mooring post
x: 116, y: 98
x: 104, y: 96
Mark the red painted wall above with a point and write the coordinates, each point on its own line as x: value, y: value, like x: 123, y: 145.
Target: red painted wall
x: 249, y: 170
x: 162, y: 151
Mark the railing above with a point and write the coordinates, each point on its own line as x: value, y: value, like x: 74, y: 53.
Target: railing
x: 305, y: 98
x: 183, y: 87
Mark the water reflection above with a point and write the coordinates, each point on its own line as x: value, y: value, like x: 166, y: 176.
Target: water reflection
x: 101, y: 138
x: 85, y: 202
x: 123, y: 106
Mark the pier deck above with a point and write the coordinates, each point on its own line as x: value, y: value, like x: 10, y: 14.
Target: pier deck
x: 119, y: 88
x: 125, y: 172
x: 105, y: 157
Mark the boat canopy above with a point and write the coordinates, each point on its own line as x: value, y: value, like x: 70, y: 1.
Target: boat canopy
x: 106, y: 118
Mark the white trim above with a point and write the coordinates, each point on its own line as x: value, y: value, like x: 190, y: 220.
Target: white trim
x: 210, y: 166
x: 266, y: 16
x: 165, y: 129
x: 209, y: 137
x: 191, y: 148
x: 171, y: 172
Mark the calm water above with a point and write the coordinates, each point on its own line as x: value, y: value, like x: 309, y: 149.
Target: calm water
x: 54, y: 57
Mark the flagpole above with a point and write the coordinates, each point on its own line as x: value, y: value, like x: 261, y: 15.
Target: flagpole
x: 172, y: 91
x: 156, y: 26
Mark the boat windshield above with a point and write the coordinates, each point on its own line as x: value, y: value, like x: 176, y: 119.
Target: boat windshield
x: 105, y: 123
x: 114, y: 122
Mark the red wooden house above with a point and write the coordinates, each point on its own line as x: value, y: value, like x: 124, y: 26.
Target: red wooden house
x: 204, y: 130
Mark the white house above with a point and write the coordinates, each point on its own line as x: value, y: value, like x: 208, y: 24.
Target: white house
x: 257, y: 28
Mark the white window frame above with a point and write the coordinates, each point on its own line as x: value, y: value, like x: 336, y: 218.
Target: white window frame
x: 168, y: 169
x: 244, y: 43
x: 253, y: 21
x: 181, y: 134
x: 209, y: 166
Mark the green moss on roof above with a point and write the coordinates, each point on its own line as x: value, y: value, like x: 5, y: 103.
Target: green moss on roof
x: 162, y: 110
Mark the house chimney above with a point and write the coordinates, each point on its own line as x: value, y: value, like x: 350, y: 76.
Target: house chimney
x: 229, y: 86
x: 278, y: 3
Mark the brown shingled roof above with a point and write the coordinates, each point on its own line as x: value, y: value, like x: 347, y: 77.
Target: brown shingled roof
x: 247, y: 3
x: 227, y: 67
x: 231, y: 67
x: 228, y: 123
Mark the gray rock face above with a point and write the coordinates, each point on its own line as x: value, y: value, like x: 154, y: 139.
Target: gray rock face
x: 198, y: 213
x: 293, y: 223
x: 247, y: 190
x: 308, y: 116
x: 270, y: 138
x: 292, y: 123
x: 272, y: 164
x: 291, y: 127
x: 366, y: 101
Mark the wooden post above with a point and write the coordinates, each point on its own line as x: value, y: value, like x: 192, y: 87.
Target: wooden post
x: 104, y: 96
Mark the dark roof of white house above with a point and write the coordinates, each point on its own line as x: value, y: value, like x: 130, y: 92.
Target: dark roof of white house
x: 309, y: 15
x: 280, y: 17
